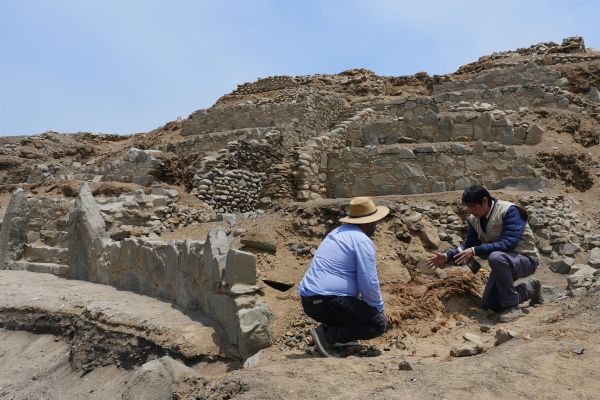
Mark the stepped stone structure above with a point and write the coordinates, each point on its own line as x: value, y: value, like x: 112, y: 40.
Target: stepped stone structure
x: 13, y: 234
x: 283, y: 139
x: 209, y: 275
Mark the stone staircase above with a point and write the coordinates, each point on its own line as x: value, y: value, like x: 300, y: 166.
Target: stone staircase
x: 46, y: 249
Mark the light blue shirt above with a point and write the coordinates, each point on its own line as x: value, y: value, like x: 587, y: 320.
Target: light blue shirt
x: 344, y: 265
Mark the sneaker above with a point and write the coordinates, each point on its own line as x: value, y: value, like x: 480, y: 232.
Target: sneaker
x: 536, y: 298
x: 321, y: 342
x: 510, y: 314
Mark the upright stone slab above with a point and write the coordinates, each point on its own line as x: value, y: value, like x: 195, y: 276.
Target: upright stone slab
x: 13, y: 235
x: 240, y: 268
x: 86, y: 231
x: 216, y: 248
x: 482, y: 128
x: 256, y: 329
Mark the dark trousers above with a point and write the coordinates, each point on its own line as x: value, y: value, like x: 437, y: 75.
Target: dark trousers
x: 346, y: 318
x: 500, y: 292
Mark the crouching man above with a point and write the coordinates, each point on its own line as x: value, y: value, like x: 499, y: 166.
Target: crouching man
x: 344, y: 268
x: 497, y: 230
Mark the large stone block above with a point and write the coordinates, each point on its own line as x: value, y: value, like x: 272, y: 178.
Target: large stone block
x: 240, y: 268
x: 216, y: 248
x: 534, y: 135
x: 156, y: 380
x: 86, y: 231
x: 482, y: 127
x: 255, y: 329
x: 408, y: 170
x: 594, y: 258
x: 13, y: 234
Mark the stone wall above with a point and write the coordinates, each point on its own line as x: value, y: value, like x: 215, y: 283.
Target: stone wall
x: 519, y: 74
x: 246, y: 175
x: 137, y: 166
x: 310, y: 168
x: 266, y: 85
x: 13, y: 233
x: 458, y: 126
x: 207, y: 275
x: 513, y: 97
x: 215, y: 141
x: 310, y: 113
x: 412, y: 169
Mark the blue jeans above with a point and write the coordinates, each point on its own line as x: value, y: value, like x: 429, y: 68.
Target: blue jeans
x: 346, y: 318
x: 500, y: 292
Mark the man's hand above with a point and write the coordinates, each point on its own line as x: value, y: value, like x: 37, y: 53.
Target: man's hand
x: 464, y: 256
x: 437, y: 259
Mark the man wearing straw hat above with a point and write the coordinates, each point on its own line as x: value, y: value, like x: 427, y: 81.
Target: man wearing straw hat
x: 344, y: 268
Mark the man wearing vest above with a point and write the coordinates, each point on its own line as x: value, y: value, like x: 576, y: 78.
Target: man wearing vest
x: 498, y: 231
x: 344, y: 268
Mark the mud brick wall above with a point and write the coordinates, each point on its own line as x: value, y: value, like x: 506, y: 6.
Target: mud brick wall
x: 413, y: 169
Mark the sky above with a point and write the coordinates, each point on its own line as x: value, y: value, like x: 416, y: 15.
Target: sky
x: 128, y: 66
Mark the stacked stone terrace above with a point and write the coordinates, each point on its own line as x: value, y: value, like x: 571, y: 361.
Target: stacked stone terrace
x: 469, y: 129
x: 70, y: 239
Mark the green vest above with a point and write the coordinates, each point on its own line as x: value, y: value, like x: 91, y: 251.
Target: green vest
x: 493, y: 230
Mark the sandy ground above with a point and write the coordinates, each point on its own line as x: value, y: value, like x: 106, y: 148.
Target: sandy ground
x: 37, y: 367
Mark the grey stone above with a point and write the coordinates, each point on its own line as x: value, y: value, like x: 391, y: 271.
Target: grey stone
x: 13, y: 234
x: 240, y: 267
x: 471, y: 337
x: 405, y: 366
x: 562, y: 266
x: 430, y: 117
x: 438, y: 187
x: 594, y: 95
x: 406, y: 154
x: 407, y: 170
x: 522, y: 183
x: 458, y: 149
x: 582, y: 270
x: 503, y: 335
x: 410, y: 188
x: 466, y: 350
x: 568, y: 249
x: 464, y: 182
x: 156, y: 380
x: 482, y: 128
x: 444, y: 129
x: 255, y: 329
x: 593, y: 259
x: 253, y: 360
x: 534, y: 135
x: 86, y: 233
x: 230, y: 218
x: 216, y: 248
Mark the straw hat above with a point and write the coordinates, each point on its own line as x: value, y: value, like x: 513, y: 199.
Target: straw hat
x: 362, y: 210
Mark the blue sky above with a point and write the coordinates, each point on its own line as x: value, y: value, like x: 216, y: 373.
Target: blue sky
x: 130, y: 66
